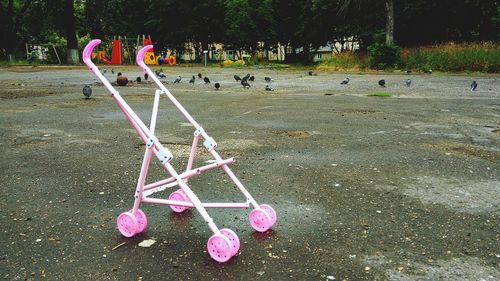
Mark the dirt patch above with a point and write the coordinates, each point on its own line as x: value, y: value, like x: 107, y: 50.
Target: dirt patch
x: 23, y: 93
x: 454, y: 269
x: 31, y: 142
x: 293, y: 134
x: 465, y: 150
x: 496, y: 132
x: 469, y: 197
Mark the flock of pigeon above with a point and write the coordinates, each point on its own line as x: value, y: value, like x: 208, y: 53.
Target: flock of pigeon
x: 121, y: 80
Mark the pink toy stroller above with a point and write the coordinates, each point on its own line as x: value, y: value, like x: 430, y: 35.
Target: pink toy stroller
x: 224, y: 243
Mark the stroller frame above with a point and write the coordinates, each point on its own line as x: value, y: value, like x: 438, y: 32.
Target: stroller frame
x: 224, y: 243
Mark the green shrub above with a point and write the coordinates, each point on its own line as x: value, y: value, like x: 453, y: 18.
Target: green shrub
x: 482, y: 57
x: 383, y: 56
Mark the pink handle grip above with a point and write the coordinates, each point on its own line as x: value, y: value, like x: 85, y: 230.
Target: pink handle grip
x: 87, y: 52
x: 139, y: 59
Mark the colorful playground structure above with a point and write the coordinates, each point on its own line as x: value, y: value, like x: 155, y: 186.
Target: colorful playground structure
x: 120, y: 48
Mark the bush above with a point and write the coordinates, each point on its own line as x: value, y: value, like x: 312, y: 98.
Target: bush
x: 383, y: 56
x: 482, y: 57
x: 345, y: 61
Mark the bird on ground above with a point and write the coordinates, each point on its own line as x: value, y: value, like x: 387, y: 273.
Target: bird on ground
x: 192, y: 80
x: 138, y: 79
x: 246, y: 76
x: 237, y: 78
x: 178, y: 79
x: 268, y: 79
x: 408, y: 82
x: 312, y: 73
x: 121, y: 80
x: 244, y: 83
x: 87, y: 91
x: 408, y: 71
x: 146, y: 76
x: 252, y: 78
x: 104, y: 71
x: 161, y: 75
x: 269, y: 88
x: 345, y: 81
x: 473, y: 86
x: 428, y: 71
x: 199, y: 75
x: 381, y: 83
x: 207, y: 81
x: 217, y: 85
x: 113, y: 70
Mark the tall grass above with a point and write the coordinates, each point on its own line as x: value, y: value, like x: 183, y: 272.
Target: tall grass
x: 448, y: 57
x: 482, y: 57
x: 345, y: 61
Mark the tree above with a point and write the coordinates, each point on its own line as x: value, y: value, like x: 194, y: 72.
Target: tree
x: 70, y: 29
x: 389, y: 27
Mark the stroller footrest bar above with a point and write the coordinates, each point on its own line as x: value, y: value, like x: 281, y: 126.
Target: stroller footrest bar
x: 148, y: 192
x: 190, y: 204
x: 186, y: 175
x: 164, y: 155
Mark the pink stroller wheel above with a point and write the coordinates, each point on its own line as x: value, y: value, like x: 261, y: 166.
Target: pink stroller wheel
x: 235, y: 241
x: 260, y: 220
x: 220, y: 247
x: 270, y: 211
x: 142, y: 220
x: 178, y: 195
x: 127, y: 224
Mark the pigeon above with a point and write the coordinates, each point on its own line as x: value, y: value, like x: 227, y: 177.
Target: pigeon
x: 217, y: 85
x: 237, y: 78
x: 269, y: 88
x: 381, y: 83
x: 192, y: 80
x: 113, y: 70
x: 473, y: 86
x: 408, y: 71
x: 252, y: 78
x: 207, y: 81
x: 244, y: 83
x: 87, y: 91
x: 146, y: 76
x: 268, y: 79
x: 121, y: 80
x: 138, y: 79
x: 199, y: 75
x: 345, y: 81
x: 311, y: 73
x: 408, y: 82
x: 429, y: 71
x: 104, y: 71
x: 161, y: 75
x: 178, y: 79
x: 246, y: 76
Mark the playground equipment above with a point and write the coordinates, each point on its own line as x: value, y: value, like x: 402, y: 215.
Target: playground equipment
x: 120, y: 49
x: 224, y: 243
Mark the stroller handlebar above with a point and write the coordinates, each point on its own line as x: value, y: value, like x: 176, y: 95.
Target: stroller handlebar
x: 87, y: 52
x: 139, y: 59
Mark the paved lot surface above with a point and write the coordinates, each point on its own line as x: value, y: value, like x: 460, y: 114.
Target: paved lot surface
x: 405, y: 187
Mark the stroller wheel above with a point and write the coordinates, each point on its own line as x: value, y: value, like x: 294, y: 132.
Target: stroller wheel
x: 270, y: 211
x: 127, y: 224
x: 178, y: 195
x: 142, y: 220
x: 235, y: 241
x: 260, y: 220
x: 220, y: 247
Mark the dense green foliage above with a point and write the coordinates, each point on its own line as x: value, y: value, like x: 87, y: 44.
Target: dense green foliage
x: 296, y: 24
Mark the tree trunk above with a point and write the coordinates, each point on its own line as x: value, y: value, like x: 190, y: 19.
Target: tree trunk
x: 389, y: 27
x: 10, y: 33
x: 72, y: 43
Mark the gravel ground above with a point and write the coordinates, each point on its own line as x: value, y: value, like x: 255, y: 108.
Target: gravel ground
x: 405, y: 187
